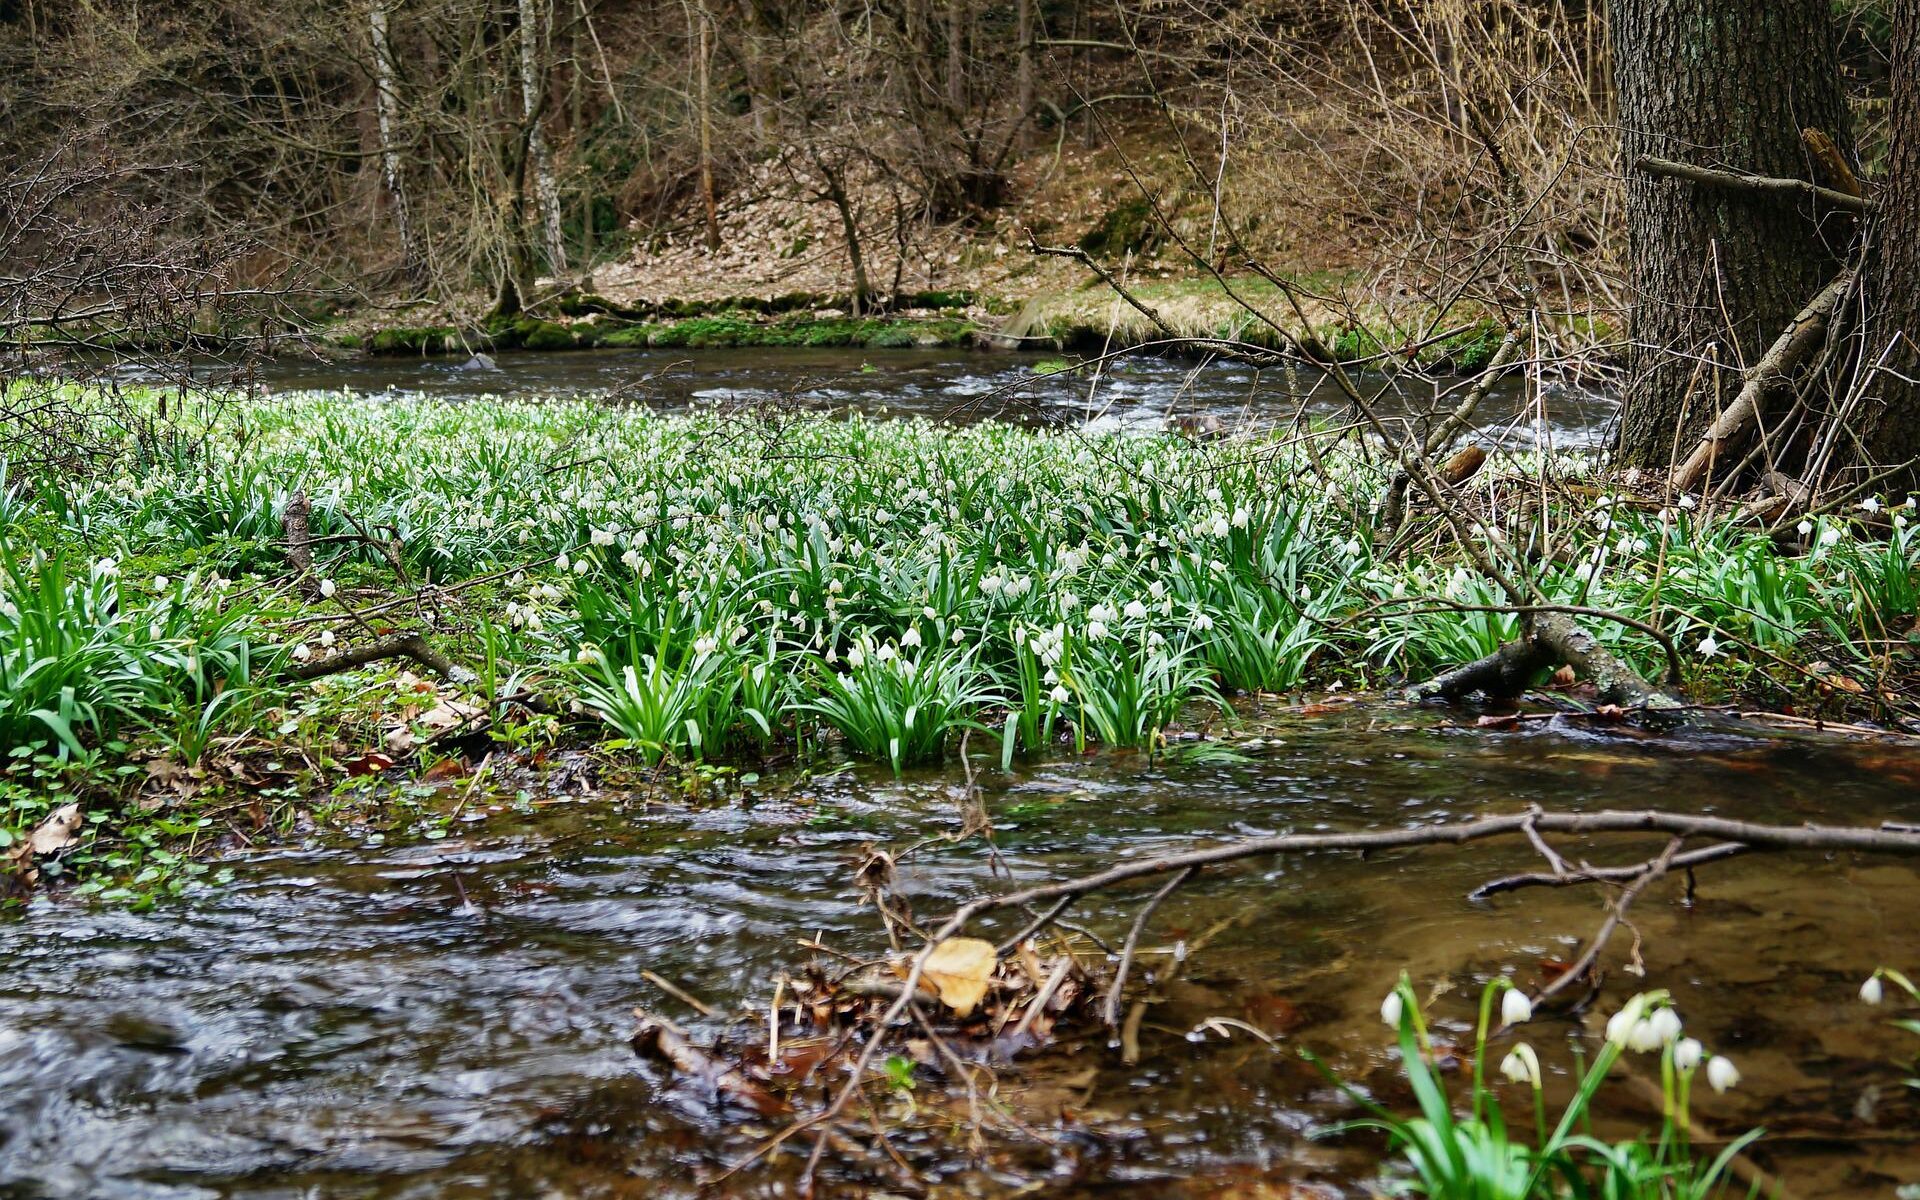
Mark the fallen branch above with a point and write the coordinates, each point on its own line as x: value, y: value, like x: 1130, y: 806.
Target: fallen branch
x: 1740, y: 181
x: 1550, y: 637
x: 1589, y: 874
x: 1802, y: 336
x: 1678, y: 827
x: 1616, y: 915
x: 405, y: 645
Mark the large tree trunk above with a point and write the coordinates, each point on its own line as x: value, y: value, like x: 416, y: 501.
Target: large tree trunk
x: 1718, y: 273
x: 1893, y: 428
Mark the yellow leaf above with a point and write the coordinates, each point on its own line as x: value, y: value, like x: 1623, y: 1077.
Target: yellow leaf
x: 960, y: 968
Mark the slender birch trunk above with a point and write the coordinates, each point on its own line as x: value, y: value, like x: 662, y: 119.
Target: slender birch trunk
x: 532, y: 79
x: 386, y: 107
x: 706, y: 127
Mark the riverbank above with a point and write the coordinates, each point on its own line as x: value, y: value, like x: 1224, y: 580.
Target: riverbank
x: 1230, y: 317
x: 342, y: 588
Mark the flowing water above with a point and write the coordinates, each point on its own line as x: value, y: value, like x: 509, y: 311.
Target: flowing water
x: 385, y: 1017
x: 1130, y: 392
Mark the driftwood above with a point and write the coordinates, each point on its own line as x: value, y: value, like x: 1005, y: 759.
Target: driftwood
x: 1802, y: 337
x: 1551, y: 638
x: 1742, y: 182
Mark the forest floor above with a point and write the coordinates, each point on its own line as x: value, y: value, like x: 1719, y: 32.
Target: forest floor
x: 781, y: 276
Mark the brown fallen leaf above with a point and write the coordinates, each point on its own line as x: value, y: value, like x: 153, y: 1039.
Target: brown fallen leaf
x: 60, y: 830
x: 1461, y: 466
x: 960, y: 968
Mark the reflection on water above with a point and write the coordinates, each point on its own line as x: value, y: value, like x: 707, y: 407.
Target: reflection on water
x: 1134, y: 391
x: 449, y: 1019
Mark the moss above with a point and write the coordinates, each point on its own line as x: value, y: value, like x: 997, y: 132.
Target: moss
x: 1129, y: 228
x: 349, y: 341
x: 951, y: 298
x: 544, y: 335
x: 431, y: 339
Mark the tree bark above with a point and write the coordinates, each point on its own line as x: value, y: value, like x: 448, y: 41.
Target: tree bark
x: 1893, y: 426
x: 386, y: 106
x: 1718, y: 273
x: 705, y: 100
x: 532, y: 83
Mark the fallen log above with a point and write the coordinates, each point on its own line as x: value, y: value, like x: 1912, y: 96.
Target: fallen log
x: 1550, y: 638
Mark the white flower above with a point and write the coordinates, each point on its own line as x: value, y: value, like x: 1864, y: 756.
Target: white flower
x: 1805, y: 528
x: 1097, y: 630
x: 302, y: 652
x: 1620, y: 1025
x: 564, y: 562
x: 1643, y: 1038
x: 1219, y: 527
x: 1687, y: 1054
x: 1515, y: 1008
x: 326, y: 639
x: 160, y: 583
x: 1830, y: 536
x: 581, y: 566
x: 910, y: 638
x: 1239, y: 518
x: 1721, y: 1073
x: 1687, y: 502
x: 327, y: 588
x: 1666, y: 1025
x: 1392, y: 1008
x: 1352, y: 548
x: 1136, y: 611
x: 632, y: 559
x: 705, y: 645
x: 1870, y: 504
x: 1059, y: 694
x: 1521, y: 1064
x: 856, y: 656
x: 601, y: 537
x: 1708, y: 646
x: 1871, y: 992
x: 1202, y: 622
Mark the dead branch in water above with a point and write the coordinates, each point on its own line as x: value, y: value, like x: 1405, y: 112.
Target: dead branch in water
x: 1730, y: 837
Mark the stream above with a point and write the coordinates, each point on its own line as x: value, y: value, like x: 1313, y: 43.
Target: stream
x: 385, y: 1017
x: 1136, y: 391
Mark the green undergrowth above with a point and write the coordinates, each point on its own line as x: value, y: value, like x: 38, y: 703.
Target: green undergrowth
x: 703, y: 589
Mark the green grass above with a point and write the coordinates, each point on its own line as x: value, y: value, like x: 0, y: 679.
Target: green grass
x: 696, y: 586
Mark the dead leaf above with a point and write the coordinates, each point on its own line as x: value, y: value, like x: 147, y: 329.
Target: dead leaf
x: 959, y: 968
x: 60, y: 830
x: 1498, y: 721
x: 1563, y: 677
x: 370, y: 763
x: 447, y: 714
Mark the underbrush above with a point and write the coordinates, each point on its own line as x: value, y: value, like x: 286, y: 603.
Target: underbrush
x: 713, y: 587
